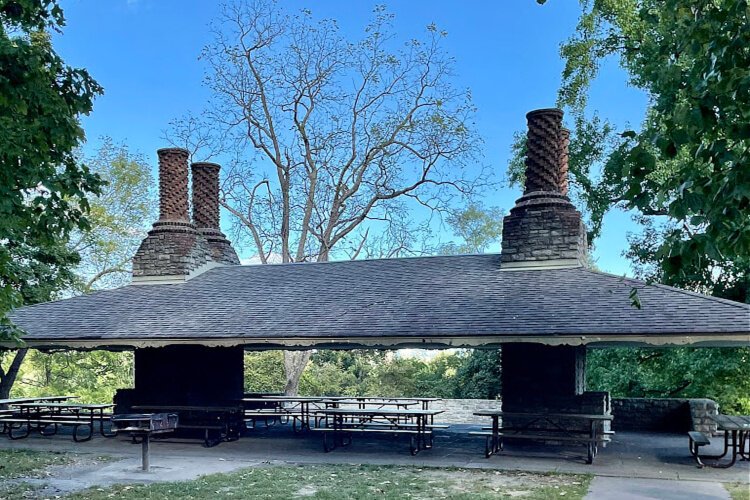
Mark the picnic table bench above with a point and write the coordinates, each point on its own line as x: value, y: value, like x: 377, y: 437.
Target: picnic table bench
x: 545, y: 427
x: 218, y: 423
x: 343, y: 422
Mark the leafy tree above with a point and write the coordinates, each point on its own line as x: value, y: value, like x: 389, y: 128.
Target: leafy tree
x: 683, y: 372
x: 93, y: 376
x: 480, y: 375
x: 684, y: 175
x: 118, y: 216
x: 43, y: 187
x: 479, y: 228
x: 346, y: 138
x: 688, y: 165
x: 264, y: 371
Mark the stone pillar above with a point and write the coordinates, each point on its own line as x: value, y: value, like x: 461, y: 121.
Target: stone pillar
x: 206, y: 212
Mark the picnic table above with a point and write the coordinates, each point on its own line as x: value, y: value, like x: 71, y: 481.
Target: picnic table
x: 5, y: 402
x: 551, y: 427
x: 365, y: 402
x: 223, y: 422
x: 418, y: 424
x: 295, y: 407
x: 736, y: 437
x: 43, y: 415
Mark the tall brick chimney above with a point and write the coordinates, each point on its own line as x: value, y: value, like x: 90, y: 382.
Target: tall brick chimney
x: 206, y: 212
x: 544, y: 229
x: 173, y: 251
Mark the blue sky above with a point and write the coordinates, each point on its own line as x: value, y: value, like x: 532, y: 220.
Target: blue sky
x: 145, y: 54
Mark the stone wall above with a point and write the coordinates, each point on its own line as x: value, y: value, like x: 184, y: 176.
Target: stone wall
x: 460, y: 411
x: 664, y: 415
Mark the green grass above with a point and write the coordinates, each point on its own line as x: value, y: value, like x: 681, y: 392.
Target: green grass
x: 739, y: 491
x: 18, y: 464
x: 356, y: 481
x: 25, y: 463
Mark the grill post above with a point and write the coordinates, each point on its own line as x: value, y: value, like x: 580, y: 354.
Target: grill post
x: 145, y: 465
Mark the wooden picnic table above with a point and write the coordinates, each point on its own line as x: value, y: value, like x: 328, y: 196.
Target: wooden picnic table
x: 736, y: 437
x: 42, y: 415
x: 554, y: 430
x: 417, y: 423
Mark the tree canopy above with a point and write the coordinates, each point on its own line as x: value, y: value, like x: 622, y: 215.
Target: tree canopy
x: 686, y: 170
x: 43, y: 188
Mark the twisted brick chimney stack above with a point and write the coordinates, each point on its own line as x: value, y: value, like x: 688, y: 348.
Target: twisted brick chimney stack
x: 206, y: 212
x: 173, y: 251
x: 544, y: 230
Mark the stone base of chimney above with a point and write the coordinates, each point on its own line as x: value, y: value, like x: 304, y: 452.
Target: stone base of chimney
x: 220, y: 247
x: 173, y: 250
x: 544, y: 229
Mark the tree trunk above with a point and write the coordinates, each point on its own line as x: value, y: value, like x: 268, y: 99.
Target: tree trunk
x: 8, y: 379
x: 294, y: 364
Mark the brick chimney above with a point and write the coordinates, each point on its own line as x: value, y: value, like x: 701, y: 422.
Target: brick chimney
x: 174, y: 250
x: 543, y: 229
x: 206, y: 212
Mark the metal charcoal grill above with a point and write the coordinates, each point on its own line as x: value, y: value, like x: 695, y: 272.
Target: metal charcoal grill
x: 143, y: 425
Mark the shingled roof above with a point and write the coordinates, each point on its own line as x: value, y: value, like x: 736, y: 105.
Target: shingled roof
x: 427, y: 301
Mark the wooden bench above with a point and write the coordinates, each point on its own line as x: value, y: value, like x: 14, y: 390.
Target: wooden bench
x: 696, y: 440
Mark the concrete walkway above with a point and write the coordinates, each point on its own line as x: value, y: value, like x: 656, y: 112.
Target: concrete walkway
x: 619, y: 488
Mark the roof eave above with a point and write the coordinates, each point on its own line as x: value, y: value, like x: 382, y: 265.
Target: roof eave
x: 723, y: 339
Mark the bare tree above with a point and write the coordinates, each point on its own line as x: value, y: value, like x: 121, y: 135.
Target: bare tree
x: 330, y: 143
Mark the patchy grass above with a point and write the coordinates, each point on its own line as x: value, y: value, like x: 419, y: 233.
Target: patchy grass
x: 18, y: 464
x: 738, y: 491
x: 356, y: 481
x: 27, y: 463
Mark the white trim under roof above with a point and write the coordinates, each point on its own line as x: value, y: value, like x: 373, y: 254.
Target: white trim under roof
x: 438, y: 342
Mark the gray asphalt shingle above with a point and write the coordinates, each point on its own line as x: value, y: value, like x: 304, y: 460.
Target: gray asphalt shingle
x: 414, y: 297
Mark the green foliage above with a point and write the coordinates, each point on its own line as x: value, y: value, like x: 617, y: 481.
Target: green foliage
x: 688, y: 165
x: 451, y: 374
x: 119, y: 217
x: 42, y: 186
x: 478, y: 227
x: 479, y: 376
x: 94, y: 376
x: 264, y: 371
x: 720, y: 374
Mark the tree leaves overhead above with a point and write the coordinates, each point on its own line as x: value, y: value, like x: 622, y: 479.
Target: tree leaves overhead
x: 689, y: 166
x: 42, y: 187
